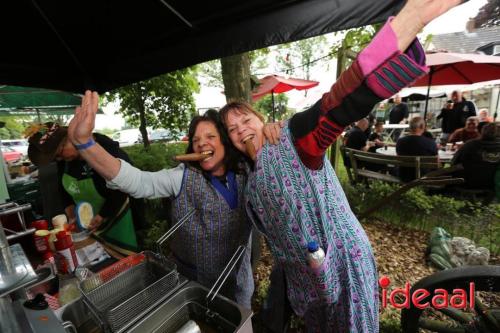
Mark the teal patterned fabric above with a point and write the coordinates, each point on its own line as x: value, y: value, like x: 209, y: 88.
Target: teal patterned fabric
x: 205, y: 244
x: 293, y: 205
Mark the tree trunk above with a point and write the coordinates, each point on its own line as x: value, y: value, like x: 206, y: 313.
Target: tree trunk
x: 142, y: 116
x: 237, y: 87
x: 236, y: 77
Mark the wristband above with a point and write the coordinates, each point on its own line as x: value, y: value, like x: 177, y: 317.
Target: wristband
x: 86, y: 145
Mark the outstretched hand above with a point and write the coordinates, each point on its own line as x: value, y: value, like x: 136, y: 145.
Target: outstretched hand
x: 81, y: 126
x: 415, y: 15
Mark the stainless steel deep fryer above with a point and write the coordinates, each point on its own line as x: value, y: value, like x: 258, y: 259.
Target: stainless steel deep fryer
x: 123, y: 292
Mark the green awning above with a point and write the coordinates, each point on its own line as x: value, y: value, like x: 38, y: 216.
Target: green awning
x: 33, y: 98
x: 24, y: 101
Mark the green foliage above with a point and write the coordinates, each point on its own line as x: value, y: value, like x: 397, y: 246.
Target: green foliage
x: 488, y: 15
x: 13, y: 128
x: 389, y: 321
x: 355, y: 40
x: 419, y: 209
x: 296, y: 59
x: 211, y: 71
x: 156, y: 157
x: 265, y: 106
x: 164, y: 101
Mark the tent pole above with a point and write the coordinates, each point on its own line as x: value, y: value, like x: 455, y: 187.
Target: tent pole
x: 428, y: 92
x: 496, y: 109
x: 272, y: 98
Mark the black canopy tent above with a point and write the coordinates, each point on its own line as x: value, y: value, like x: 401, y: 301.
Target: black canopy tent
x: 104, y: 44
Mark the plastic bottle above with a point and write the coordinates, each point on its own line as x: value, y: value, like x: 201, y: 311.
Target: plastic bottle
x: 64, y: 246
x: 315, y: 255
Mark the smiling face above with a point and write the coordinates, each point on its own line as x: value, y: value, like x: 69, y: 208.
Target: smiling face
x: 242, y: 126
x: 207, y: 140
x: 471, y: 124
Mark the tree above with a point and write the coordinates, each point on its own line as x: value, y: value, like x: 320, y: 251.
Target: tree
x: 488, y: 15
x: 236, y: 77
x: 164, y: 101
x: 265, y: 106
x: 211, y: 71
x: 297, y: 58
x: 13, y: 128
x: 346, y: 51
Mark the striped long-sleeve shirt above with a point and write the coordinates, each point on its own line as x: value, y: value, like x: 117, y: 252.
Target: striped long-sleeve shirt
x: 380, y: 71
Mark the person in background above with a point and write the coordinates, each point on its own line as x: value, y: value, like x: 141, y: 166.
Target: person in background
x: 446, y: 116
x: 480, y: 158
x: 484, y: 118
x: 462, y: 110
x: 377, y: 137
x: 415, y: 144
x: 467, y: 133
x: 380, y: 111
x: 398, y: 114
x: 357, y: 138
x: 114, y: 210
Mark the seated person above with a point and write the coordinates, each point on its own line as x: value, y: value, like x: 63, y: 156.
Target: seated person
x: 484, y: 118
x: 480, y: 158
x: 467, y: 133
x: 415, y: 144
x: 356, y: 138
x: 376, y: 137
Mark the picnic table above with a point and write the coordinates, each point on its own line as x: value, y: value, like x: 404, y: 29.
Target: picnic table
x: 389, y: 129
x: 444, y: 156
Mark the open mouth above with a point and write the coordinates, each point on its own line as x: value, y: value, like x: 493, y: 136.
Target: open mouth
x: 209, y: 153
x: 248, y: 137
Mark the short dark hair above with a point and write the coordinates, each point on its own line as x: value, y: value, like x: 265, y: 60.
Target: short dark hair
x: 490, y: 131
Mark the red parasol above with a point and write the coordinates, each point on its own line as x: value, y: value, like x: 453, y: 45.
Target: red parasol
x: 277, y: 84
x: 459, y: 68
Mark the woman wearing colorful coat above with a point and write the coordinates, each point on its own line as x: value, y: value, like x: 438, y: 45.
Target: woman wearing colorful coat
x: 295, y: 197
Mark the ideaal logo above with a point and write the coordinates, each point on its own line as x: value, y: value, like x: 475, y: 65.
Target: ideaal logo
x: 440, y: 297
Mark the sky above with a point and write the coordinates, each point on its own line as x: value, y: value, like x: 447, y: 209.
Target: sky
x: 452, y: 21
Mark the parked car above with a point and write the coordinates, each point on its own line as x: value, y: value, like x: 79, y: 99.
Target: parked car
x: 164, y: 135
x: 128, y: 137
x: 10, y: 155
x: 20, y: 145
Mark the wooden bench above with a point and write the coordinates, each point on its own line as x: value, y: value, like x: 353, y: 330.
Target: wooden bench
x: 419, y: 163
x: 436, y: 178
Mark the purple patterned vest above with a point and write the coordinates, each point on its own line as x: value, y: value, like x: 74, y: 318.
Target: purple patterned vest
x: 206, y: 243
x: 293, y: 205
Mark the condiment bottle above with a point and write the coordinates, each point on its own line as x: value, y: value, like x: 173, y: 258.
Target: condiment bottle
x: 64, y: 246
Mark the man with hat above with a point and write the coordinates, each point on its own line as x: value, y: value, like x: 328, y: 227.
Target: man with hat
x: 112, y: 222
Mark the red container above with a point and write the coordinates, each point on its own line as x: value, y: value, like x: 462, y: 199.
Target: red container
x: 64, y: 246
x: 41, y: 239
x: 40, y: 225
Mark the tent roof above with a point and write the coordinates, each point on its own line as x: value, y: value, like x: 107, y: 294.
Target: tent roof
x: 104, y: 44
x: 24, y: 101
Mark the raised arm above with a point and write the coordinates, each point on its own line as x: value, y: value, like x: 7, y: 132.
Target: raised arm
x: 80, y: 133
x: 119, y: 174
x: 393, y: 60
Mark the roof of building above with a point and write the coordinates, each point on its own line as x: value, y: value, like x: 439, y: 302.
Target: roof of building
x: 466, y: 42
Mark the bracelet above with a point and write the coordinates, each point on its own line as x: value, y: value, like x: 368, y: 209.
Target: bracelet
x: 86, y: 145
